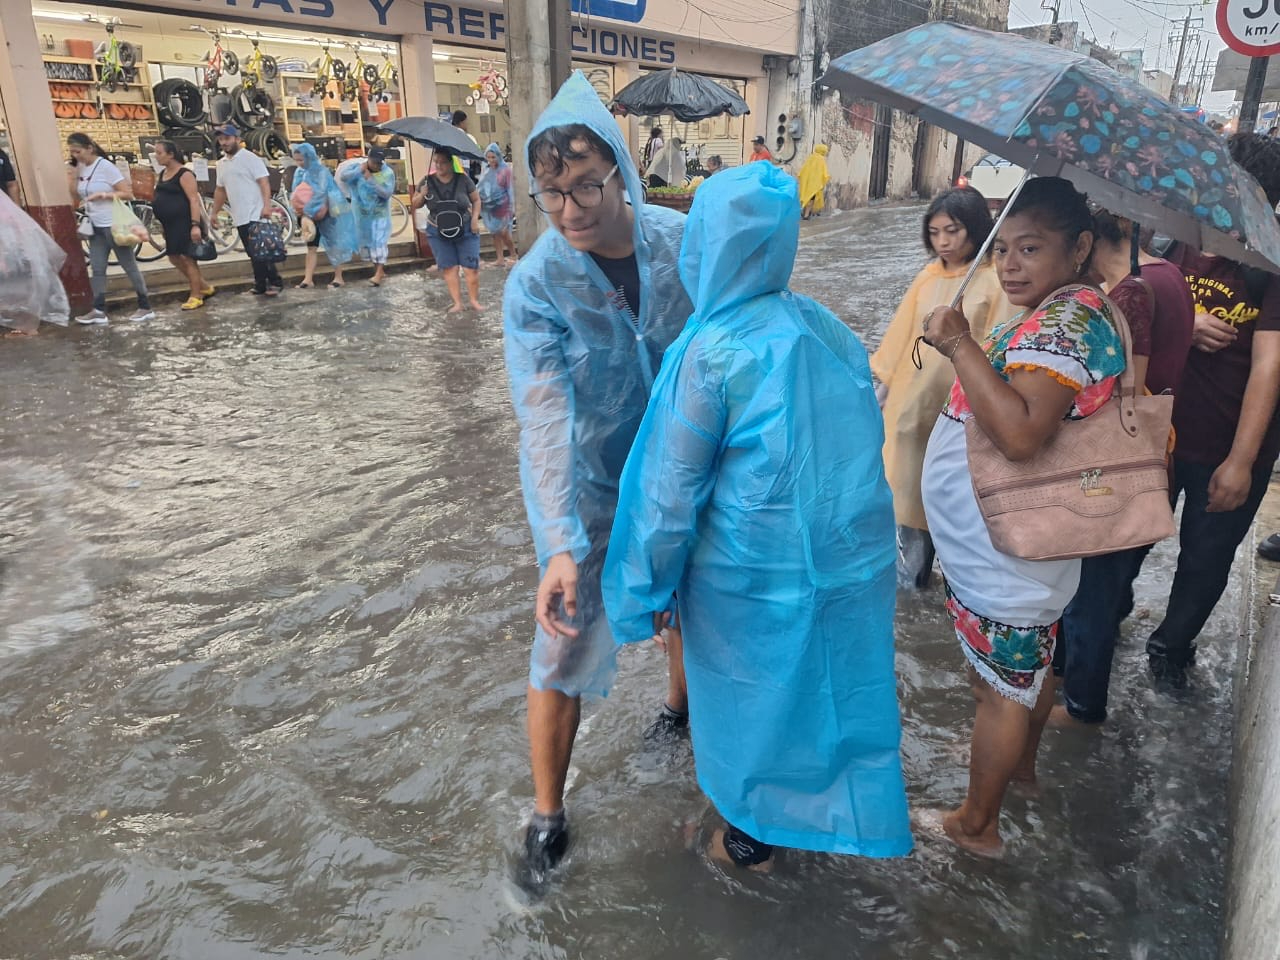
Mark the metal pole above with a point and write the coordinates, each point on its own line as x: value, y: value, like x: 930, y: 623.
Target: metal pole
x: 1253, y: 94
x: 991, y: 237
x: 1182, y: 49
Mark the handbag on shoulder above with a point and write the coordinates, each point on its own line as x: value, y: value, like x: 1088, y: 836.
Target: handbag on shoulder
x: 1100, y: 485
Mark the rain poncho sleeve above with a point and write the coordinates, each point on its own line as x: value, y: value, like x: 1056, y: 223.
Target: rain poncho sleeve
x: 30, y: 288
x: 916, y: 397
x: 771, y: 521
x: 336, y: 225
x: 581, y: 367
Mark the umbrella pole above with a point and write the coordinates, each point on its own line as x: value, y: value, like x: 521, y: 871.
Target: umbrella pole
x: 991, y: 238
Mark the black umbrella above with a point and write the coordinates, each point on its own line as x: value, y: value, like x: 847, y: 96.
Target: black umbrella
x: 687, y: 96
x: 435, y: 134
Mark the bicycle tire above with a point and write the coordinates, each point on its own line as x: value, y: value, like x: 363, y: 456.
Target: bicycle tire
x: 370, y: 74
x: 401, y: 218
x: 269, y: 69
x: 153, y: 248
x: 282, y: 218
x: 339, y: 70
x: 230, y: 63
x: 126, y: 54
x: 224, y: 234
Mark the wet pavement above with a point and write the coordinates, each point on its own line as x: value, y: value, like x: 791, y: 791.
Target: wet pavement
x: 265, y: 594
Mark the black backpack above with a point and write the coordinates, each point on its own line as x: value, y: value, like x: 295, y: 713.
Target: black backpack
x: 448, y: 214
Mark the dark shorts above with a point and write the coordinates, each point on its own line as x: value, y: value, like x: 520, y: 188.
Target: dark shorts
x: 314, y: 241
x: 177, y: 237
x: 462, y: 251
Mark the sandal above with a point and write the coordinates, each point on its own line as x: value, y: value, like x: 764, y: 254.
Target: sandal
x: 375, y: 283
x: 193, y: 303
x: 208, y: 291
x: 305, y: 285
x: 334, y: 285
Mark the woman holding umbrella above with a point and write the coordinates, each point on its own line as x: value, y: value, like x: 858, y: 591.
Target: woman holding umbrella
x: 1056, y: 360
x: 453, y: 208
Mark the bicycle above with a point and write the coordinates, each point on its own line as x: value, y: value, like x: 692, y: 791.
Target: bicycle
x: 116, y: 60
x: 355, y: 74
x: 258, y: 69
x: 150, y: 250
x: 328, y: 69
x: 219, y: 62
x: 381, y: 79
x: 490, y: 85
x: 226, y: 237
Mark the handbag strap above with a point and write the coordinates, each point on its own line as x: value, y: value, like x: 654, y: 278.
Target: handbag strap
x: 1126, y: 388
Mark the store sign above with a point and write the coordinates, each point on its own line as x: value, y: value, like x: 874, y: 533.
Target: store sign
x: 473, y: 23
x: 1250, y: 27
x: 628, y: 11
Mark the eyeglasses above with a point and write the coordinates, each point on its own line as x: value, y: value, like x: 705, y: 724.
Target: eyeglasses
x: 585, y: 195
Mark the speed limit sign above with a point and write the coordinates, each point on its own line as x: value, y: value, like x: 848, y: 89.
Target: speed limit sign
x: 1250, y: 27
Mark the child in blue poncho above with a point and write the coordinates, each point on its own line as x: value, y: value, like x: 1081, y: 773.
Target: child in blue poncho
x: 755, y: 493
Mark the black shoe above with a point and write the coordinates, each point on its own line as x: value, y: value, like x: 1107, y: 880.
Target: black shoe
x: 1168, y: 675
x: 1269, y: 549
x: 670, y: 726
x: 545, y: 841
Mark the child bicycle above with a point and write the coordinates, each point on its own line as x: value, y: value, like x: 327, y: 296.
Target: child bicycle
x: 258, y: 69
x: 381, y: 79
x: 328, y: 69
x: 355, y: 75
x: 219, y: 62
x: 116, y: 61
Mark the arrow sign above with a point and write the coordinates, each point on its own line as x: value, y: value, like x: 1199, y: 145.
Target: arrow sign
x: 1250, y: 27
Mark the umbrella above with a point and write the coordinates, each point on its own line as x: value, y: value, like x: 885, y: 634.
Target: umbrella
x: 687, y: 96
x: 436, y: 134
x: 1058, y: 113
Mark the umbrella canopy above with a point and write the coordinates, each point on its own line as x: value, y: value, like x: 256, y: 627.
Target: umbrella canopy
x: 687, y: 96
x: 1063, y: 114
x: 436, y: 134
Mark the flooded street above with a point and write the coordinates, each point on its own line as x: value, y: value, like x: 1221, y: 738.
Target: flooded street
x: 265, y: 608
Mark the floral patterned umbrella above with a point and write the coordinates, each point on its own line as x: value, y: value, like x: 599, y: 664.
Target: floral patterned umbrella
x: 1059, y: 113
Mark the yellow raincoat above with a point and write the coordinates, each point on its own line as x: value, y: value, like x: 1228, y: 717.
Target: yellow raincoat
x: 813, y: 180
x: 917, y: 396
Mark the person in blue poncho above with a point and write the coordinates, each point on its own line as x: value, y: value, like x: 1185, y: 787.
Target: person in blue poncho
x: 371, y: 185
x: 498, y: 203
x: 316, y: 198
x: 755, y: 493
x: 588, y: 313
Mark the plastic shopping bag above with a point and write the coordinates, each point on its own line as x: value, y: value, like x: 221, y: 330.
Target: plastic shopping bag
x: 30, y: 289
x: 126, y: 228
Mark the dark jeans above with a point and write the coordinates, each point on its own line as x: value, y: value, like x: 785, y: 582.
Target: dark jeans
x: 1090, y: 626
x: 265, y: 273
x: 1208, y: 547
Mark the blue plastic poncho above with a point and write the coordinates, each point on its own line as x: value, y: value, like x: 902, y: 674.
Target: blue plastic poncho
x: 497, y: 192
x: 755, y: 492
x: 337, y: 228
x: 371, y: 208
x: 581, y: 369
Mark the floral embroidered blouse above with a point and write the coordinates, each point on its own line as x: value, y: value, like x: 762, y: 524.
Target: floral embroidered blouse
x: 1072, y: 337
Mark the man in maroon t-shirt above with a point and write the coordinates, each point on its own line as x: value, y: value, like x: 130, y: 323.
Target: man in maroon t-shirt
x: 1228, y: 435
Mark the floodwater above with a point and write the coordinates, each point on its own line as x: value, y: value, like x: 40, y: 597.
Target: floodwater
x: 265, y: 594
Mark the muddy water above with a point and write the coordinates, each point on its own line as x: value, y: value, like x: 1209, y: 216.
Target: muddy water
x: 265, y: 585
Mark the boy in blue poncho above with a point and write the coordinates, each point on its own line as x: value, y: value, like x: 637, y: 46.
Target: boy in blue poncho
x: 755, y: 492
x: 588, y: 313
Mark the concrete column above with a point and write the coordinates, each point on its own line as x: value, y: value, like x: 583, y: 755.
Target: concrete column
x: 38, y: 152
x: 418, y: 92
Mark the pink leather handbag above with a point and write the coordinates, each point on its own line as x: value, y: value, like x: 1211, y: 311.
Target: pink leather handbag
x: 1101, y: 484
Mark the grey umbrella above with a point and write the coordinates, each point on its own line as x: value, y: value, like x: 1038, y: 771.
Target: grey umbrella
x: 436, y: 134
x: 686, y: 96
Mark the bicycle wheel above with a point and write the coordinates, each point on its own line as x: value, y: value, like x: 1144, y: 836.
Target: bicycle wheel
x: 153, y: 247
x: 127, y: 54
x: 230, y: 63
x: 400, y: 217
x: 224, y: 233
x: 339, y: 70
x: 269, y: 69
x: 283, y: 220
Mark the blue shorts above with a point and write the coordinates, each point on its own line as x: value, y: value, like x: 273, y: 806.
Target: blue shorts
x: 462, y: 251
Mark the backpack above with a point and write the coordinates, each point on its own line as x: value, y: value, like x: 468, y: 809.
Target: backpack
x: 448, y: 214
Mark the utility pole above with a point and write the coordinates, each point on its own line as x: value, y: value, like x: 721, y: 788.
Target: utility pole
x: 1055, y: 32
x: 539, y: 59
x: 1182, y: 49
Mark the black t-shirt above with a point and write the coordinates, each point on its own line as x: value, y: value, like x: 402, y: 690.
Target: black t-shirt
x: 7, y: 174
x: 624, y: 276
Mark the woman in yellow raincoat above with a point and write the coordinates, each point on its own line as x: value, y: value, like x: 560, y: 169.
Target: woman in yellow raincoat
x: 955, y: 228
x: 813, y: 181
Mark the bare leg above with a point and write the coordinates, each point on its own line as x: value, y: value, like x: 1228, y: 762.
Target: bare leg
x: 379, y: 274
x: 187, y: 267
x: 337, y: 276
x: 473, y: 288
x: 1025, y: 773
x: 553, y: 723
x: 309, y: 266
x: 1000, y: 732
x: 452, y: 281
x: 677, y: 690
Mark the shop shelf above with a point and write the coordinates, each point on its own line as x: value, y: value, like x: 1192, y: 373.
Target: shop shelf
x: 52, y: 59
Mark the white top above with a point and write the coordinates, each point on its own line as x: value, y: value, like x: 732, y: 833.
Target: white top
x: 101, y: 176
x: 239, y: 176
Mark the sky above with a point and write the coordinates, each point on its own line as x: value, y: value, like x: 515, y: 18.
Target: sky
x: 1153, y: 25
